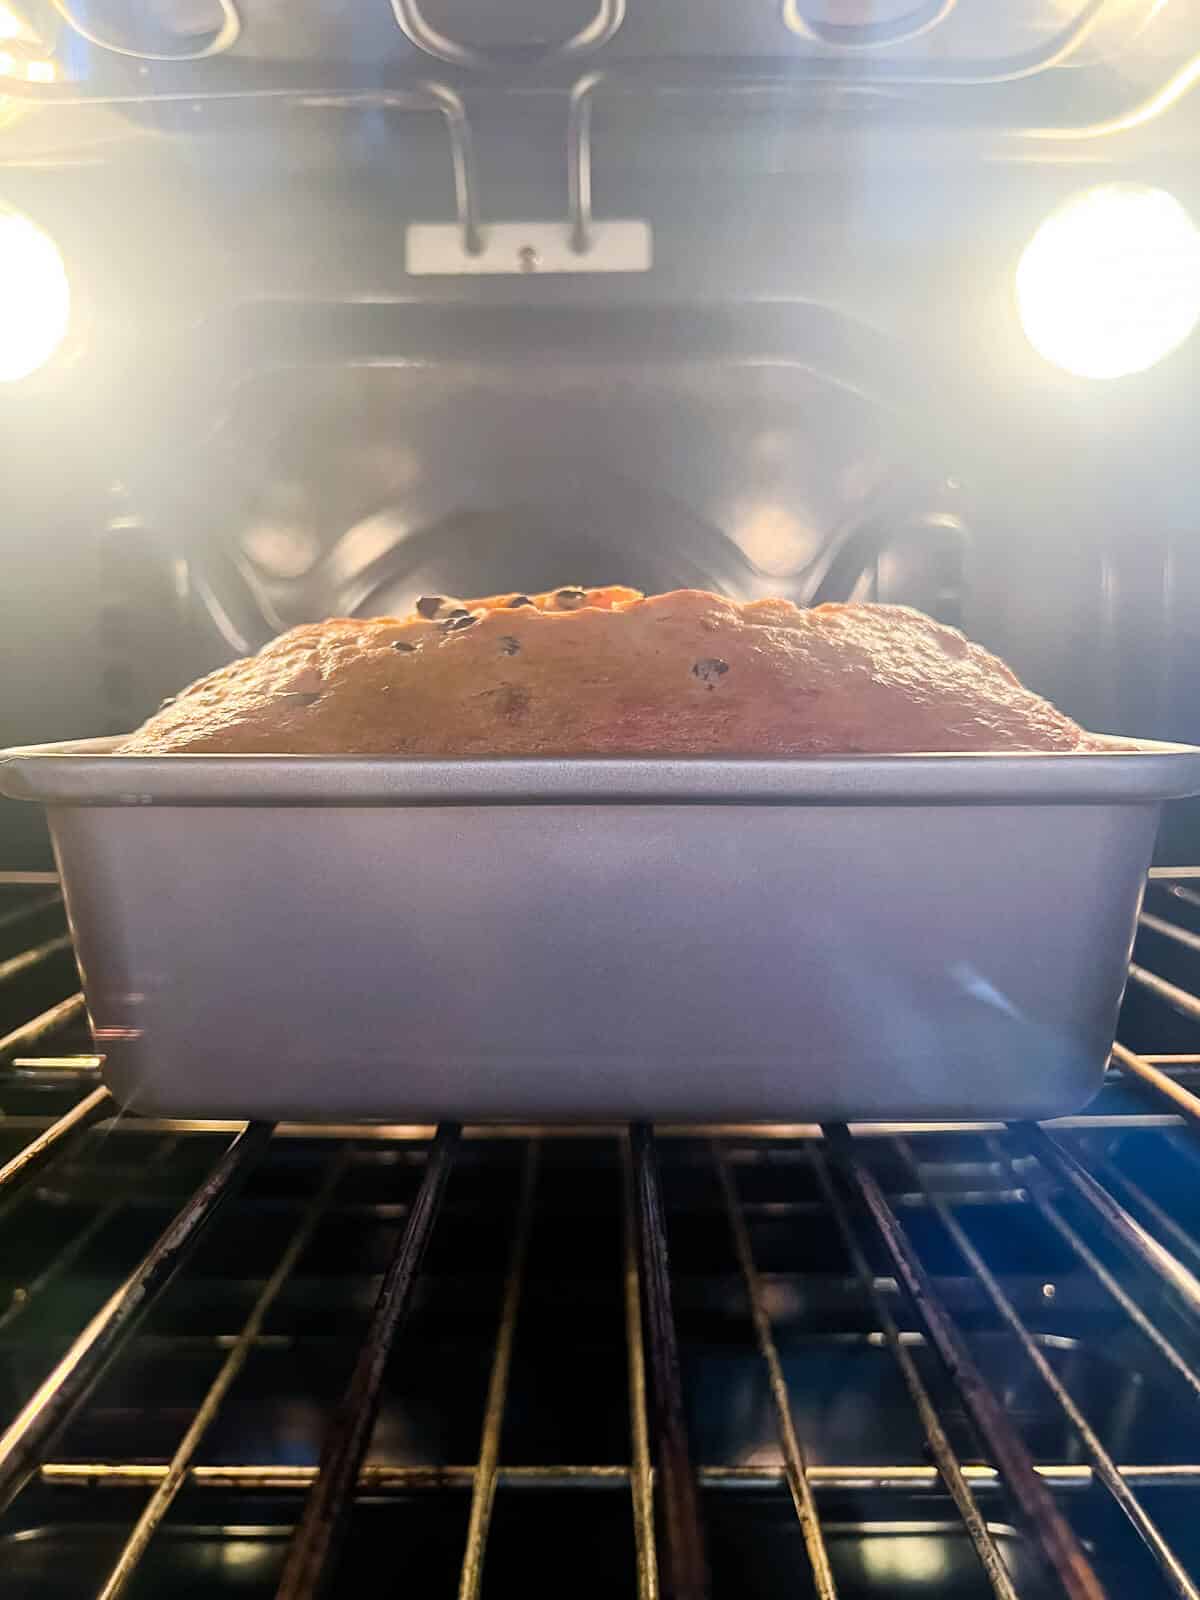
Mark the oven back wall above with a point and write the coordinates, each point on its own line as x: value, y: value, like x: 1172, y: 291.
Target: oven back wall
x: 265, y: 418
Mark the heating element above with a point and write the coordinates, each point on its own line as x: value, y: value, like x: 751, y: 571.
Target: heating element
x: 740, y: 1361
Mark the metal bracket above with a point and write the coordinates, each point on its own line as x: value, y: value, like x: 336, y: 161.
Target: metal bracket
x: 438, y: 249
x: 468, y: 247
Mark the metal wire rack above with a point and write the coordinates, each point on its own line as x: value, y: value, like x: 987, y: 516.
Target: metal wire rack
x: 960, y: 1360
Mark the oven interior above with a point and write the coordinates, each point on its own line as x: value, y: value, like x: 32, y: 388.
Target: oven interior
x: 877, y: 1313
x: 740, y: 1361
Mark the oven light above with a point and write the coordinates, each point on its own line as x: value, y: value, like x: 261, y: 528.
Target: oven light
x: 35, y: 297
x: 32, y: 69
x: 1110, y: 282
x: 13, y: 25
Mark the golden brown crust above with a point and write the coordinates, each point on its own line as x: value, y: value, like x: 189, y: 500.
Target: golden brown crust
x: 609, y: 672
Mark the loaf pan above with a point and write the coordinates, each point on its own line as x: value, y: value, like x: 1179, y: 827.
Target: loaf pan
x: 894, y: 937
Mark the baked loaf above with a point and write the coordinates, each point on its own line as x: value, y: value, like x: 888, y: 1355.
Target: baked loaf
x: 611, y: 672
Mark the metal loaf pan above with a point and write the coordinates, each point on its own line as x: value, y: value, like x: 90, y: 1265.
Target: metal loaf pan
x: 714, y: 940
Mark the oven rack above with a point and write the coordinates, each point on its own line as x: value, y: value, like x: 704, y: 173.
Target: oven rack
x: 877, y: 1189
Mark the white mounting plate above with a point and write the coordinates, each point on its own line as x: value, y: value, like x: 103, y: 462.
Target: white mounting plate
x: 436, y: 249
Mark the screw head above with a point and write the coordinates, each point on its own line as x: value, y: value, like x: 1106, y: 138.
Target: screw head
x: 528, y: 258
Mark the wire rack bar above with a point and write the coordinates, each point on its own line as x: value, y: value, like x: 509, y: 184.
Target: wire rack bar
x: 1183, y: 936
x: 483, y: 1492
x: 29, y: 908
x: 377, y: 1133
x: 33, y: 957
x: 374, y: 1479
x: 314, y: 1546
x: 1103, y: 1466
x: 1160, y: 1083
x: 949, y: 1467
x: 1181, y: 999
x: 685, y: 1562
x: 1123, y: 1229
x: 1177, y: 891
x: 59, y: 1395
x: 1054, y: 1535
x: 795, y: 1465
x: 1115, y: 1179
x: 65, y: 1258
x: 1100, y: 1272
x: 53, y: 1072
x: 650, y: 1331
x: 176, y: 1473
x: 41, y: 1027
x: 38, y: 1151
x: 641, y: 1483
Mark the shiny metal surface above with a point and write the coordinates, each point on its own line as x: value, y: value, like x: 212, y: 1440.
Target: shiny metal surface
x: 324, y: 83
x: 683, y: 1557
x: 48, y: 1144
x: 725, y: 932
x: 87, y: 773
x: 220, y: 1401
x: 309, y: 54
x: 770, y: 167
x: 951, y: 1471
x: 28, y: 1035
x: 597, y: 31
x: 223, y: 37
x: 169, y: 1485
x: 795, y: 1464
x: 1103, y: 1466
x: 736, y: 452
x: 316, y: 1543
x: 67, y: 1386
x: 1001, y: 1438
x: 641, y: 1482
x: 483, y: 1489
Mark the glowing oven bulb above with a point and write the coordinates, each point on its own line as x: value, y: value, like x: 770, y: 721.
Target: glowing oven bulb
x: 1110, y: 282
x: 35, y: 297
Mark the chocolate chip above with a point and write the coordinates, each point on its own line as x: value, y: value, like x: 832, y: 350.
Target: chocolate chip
x: 509, y: 645
x: 519, y: 600
x: 709, y: 668
x: 403, y: 646
x: 456, y: 621
x: 570, y: 599
x: 428, y: 605
x: 512, y: 703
